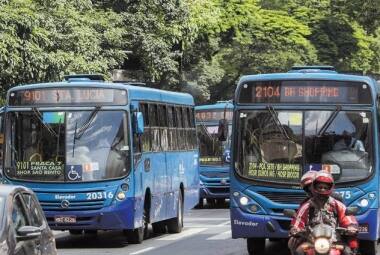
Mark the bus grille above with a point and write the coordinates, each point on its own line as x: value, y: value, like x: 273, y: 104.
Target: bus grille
x: 283, y: 197
x: 73, y: 205
x: 215, y: 174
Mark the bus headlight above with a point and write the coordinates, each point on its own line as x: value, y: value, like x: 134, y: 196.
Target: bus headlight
x: 243, y: 200
x: 322, y: 245
x: 364, y: 202
x: 120, y: 196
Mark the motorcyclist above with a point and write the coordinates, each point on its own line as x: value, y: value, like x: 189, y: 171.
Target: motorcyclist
x: 305, y: 183
x: 323, y: 207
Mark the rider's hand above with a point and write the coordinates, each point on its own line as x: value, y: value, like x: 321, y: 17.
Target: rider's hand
x: 294, y: 231
x: 351, y: 230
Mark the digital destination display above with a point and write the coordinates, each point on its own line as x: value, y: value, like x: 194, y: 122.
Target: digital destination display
x: 302, y: 91
x: 68, y: 96
x: 213, y: 115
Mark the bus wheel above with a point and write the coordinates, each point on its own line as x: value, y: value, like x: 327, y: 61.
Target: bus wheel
x: 200, y: 204
x: 210, y: 201
x: 75, y: 232
x: 369, y: 247
x: 137, y: 235
x: 256, y: 246
x: 159, y: 227
x: 91, y: 232
x: 175, y: 225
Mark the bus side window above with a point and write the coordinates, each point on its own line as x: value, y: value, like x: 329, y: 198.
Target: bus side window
x: 179, y: 128
x: 145, y: 138
x: 163, y: 123
x: 185, y: 119
x: 171, y: 131
x: 154, y: 129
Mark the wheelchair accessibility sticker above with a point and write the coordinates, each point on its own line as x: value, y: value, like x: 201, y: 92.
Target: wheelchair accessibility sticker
x: 74, y: 172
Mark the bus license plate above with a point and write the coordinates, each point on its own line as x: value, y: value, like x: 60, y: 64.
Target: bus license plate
x: 65, y: 219
x: 363, y: 228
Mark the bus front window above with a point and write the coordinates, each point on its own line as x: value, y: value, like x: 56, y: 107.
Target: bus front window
x: 340, y: 142
x: 279, y: 146
x: 211, y: 149
x: 68, y: 146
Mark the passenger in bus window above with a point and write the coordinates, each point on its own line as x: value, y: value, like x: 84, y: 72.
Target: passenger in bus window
x: 33, y: 151
x: 348, y: 142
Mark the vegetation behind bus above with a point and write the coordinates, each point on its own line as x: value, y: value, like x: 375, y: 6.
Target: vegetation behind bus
x: 197, y: 46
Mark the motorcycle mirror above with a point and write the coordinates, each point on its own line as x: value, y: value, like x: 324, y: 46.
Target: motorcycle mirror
x: 289, y: 212
x: 352, y: 210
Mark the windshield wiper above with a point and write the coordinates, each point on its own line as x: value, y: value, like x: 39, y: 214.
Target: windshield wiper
x: 38, y: 114
x: 78, y: 133
x: 329, y: 120
x: 278, y: 122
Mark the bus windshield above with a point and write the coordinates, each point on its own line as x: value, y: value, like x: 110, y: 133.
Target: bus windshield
x: 212, y: 151
x: 280, y: 145
x: 72, y: 146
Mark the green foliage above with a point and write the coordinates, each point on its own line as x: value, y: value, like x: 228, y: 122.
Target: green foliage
x: 198, y: 46
x: 41, y: 41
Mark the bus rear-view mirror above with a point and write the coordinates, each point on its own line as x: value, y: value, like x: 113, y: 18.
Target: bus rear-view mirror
x: 139, y: 123
x: 223, y: 130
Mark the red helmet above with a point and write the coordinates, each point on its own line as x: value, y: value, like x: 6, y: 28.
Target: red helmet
x: 323, y: 177
x: 307, y: 179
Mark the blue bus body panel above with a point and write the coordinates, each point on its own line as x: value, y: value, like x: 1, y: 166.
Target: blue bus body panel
x: 245, y: 223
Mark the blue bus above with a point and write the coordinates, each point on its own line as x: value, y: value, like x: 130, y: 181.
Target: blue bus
x: 288, y: 123
x: 103, y: 156
x: 214, y: 155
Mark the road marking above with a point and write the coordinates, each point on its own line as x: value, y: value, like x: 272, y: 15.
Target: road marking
x: 186, y: 233
x: 221, y: 236
x: 142, y: 251
x: 224, y: 223
x: 205, y: 219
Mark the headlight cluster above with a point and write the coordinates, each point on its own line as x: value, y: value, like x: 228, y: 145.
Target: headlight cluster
x: 247, y: 204
x: 365, y: 202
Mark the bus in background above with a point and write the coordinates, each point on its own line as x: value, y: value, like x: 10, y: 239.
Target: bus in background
x: 104, y: 156
x: 311, y: 118
x: 214, y: 155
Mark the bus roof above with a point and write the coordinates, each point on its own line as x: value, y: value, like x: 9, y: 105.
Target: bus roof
x: 218, y: 105
x: 134, y: 92
x: 306, y: 76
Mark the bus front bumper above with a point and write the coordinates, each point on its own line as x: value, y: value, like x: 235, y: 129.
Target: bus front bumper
x: 115, y: 217
x: 214, y: 192
x: 246, y: 225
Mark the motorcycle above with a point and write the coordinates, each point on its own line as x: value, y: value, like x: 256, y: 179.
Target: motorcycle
x: 322, y: 239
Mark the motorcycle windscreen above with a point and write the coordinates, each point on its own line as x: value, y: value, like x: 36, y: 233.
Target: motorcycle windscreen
x: 322, y: 230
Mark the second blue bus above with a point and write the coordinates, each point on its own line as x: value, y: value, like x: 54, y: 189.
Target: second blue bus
x: 214, y: 155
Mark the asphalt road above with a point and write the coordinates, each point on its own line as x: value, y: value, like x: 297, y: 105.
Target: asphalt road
x: 206, y: 232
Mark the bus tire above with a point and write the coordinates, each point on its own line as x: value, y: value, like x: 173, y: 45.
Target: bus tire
x: 75, y: 232
x: 256, y: 246
x: 369, y: 247
x: 210, y: 201
x: 159, y: 227
x: 200, y: 203
x: 175, y: 225
x: 137, y: 235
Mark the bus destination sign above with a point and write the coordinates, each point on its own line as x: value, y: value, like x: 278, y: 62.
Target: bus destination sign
x: 213, y: 115
x: 68, y: 96
x: 305, y: 92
